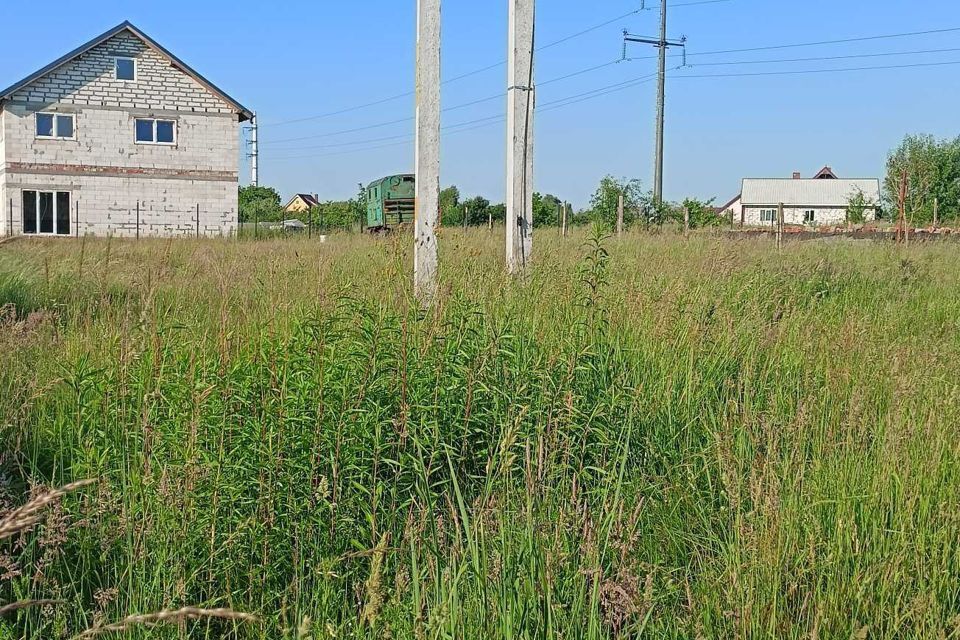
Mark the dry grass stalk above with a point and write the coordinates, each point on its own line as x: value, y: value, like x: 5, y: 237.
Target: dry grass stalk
x: 167, y: 616
x: 25, y: 604
x: 25, y: 517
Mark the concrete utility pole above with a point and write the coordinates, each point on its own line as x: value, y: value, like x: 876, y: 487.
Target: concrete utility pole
x: 427, y: 159
x: 661, y: 104
x: 254, y: 153
x: 520, y: 111
x: 662, y: 44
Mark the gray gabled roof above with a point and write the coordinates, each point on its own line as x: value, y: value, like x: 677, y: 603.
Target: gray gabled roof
x: 244, y: 113
x: 813, y: 192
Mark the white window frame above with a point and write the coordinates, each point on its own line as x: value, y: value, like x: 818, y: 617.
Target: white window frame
x: 772, y: 213
x: 176, y: 133
x: 55, y: 115
x: 116, y: 74
x: 813, y: 216
x: 56, y: 222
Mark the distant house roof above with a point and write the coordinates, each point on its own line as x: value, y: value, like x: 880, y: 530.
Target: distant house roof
x: 243, y: 112
x: 826, y: 173
x: 308, y: 200
x: 732, y: 202
x: 813, y: 192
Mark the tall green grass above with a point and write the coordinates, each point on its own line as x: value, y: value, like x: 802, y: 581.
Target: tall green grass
x: 648, y: 437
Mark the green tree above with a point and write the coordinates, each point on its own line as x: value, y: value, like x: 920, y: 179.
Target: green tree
x: 603, y: 203
x: 702, y: 213
x: 451, y: 213
x: 258, y: 203
x: 933, y: 177
x: 857, y: 205
x: 499, y: 212
x: 476, y: 209
x: 546, y: 210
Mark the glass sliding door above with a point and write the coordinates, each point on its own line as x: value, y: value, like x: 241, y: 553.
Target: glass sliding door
x: 30, y: 212
x: 46, y: 212
x: 63, y: 213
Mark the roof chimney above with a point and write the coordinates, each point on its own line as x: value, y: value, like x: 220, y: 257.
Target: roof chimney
x: 796, y: 175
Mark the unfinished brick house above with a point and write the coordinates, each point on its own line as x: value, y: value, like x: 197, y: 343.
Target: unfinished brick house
x: 119, y: 137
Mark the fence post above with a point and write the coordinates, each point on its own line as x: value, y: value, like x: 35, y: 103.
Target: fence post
x: 686, y: 221
x: 780, y: 226
x: 138, y: 219
x: 620, y: 214
x: 198, y: 219
x: 76, y: 217
x: 10, y: 226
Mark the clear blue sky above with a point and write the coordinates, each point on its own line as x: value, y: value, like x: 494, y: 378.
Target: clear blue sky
x: 296, y: 59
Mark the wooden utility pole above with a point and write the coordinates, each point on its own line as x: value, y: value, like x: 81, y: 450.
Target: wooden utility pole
x: 780, y: 226
x: 936, y: 213
x: 520, y: 111
x: 686, y: 221
x: 620, y: 214
x: 427, y: 158
x: 466, y: 212
x: 563, y: 224
x: 489, y: 219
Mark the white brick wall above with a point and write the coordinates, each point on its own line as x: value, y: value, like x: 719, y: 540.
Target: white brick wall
x: 108, y: 206
x: 89, y: 80
x: 104, y: 169
x: 5, y: 227
x: 823, y: 216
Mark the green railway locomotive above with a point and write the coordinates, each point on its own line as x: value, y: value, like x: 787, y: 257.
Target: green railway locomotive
x: 390, y: 202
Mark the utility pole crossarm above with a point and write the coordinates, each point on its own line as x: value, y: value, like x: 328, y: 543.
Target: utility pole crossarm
x: 629, y: 37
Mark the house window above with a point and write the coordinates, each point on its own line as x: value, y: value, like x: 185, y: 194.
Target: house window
x: 126, y: 69
x: 809, y: 216
x: 46, y: 212
x: 55, y: 126
x: 768, y: 215
x: 149, y: 131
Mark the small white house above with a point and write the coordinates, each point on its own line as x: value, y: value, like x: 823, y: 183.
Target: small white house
x: 119, y: 137
x: 821, y: 200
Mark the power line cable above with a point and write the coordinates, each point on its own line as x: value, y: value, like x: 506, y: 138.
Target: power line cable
x: 691, y: 54
x: 468, y: 74
x: 474, y: 124
x: 613, y: 88
x: 827, y: 58
x: 446, y: 109
x: 815, y: 71
x: 908, y: 34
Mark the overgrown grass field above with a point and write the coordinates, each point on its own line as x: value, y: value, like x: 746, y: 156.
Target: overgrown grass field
x: 649, y: 437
